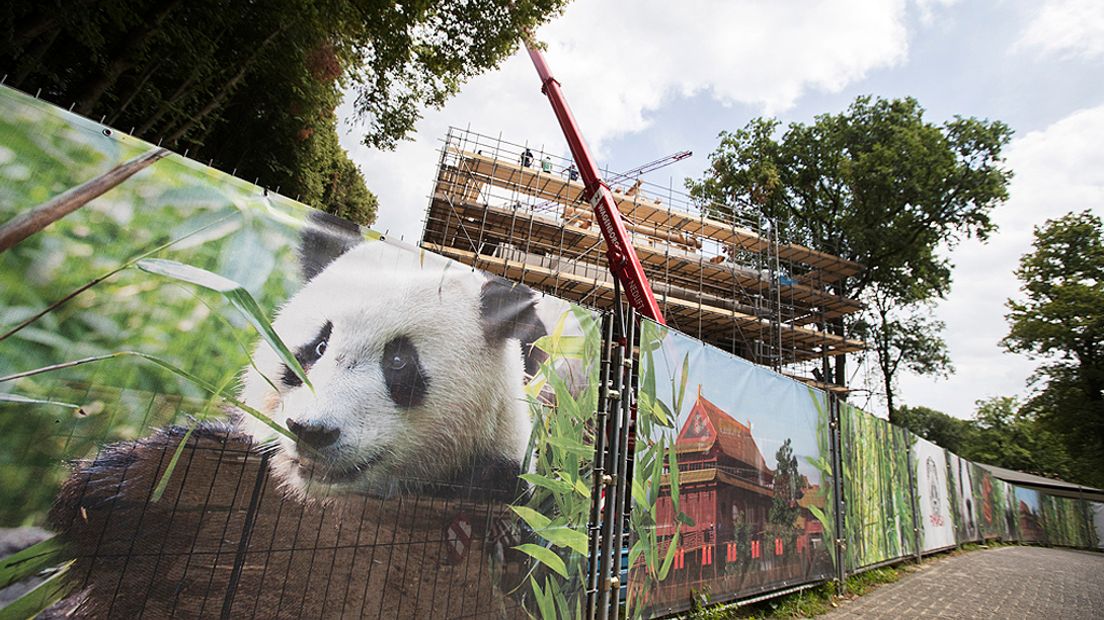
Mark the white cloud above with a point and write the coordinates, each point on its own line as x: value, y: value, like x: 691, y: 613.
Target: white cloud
x: 1058, y: 170
x: 929, y: 8
x: 619, y: 62
x: 1066, y: 28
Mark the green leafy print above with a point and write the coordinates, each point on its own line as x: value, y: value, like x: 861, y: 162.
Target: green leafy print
x: 561, y: 462
x: 655, y: 462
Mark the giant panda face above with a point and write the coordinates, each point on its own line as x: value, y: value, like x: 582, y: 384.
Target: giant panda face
x: 417, y: 373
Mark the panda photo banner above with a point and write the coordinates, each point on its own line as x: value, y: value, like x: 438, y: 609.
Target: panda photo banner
x: 215, y: 400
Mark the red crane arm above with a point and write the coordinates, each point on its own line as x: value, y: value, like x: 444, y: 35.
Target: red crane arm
x: 620, y: 254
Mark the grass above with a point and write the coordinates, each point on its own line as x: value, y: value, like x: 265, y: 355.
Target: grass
x: 822, y: 598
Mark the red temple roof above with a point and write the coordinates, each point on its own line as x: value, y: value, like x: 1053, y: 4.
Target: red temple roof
x: 708, y: 425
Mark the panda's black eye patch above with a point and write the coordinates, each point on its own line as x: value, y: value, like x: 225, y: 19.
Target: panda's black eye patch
x: 403, y: 373
x: 308, y: 354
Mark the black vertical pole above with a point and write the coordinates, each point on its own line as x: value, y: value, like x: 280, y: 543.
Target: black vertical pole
x: 913, y: 494
x: 616, y: 398
x: 839, y: 544
x: 621, y: 480
x: 599, y: 471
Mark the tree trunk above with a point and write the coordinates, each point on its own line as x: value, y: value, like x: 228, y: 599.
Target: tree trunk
x: 841, y: 371
x: 33, y: 59
x: 227, y: 88
x: 123, y: 58
x: 889, y: 397
x: 838, y: 329
x: 32, y: 29
x: 166, y: 105
x: 135, y: 90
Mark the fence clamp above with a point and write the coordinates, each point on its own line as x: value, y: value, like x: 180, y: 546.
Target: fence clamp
x: 607, y: 480
x: 613, y: 583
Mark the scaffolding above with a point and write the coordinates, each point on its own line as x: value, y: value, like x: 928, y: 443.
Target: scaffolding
x: 719, y: 273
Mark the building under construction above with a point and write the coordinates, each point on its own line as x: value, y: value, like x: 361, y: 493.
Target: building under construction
x: 718, y: 273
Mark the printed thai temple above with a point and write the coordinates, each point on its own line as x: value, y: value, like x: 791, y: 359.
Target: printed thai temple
x: 726, y: 487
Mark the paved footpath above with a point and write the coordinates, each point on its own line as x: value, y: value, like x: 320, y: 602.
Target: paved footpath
x: 1005, y: 582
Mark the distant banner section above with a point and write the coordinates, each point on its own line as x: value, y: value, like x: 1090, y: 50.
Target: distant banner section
x: 1029, y: 510
x: 271, y: 411
x: 876, y: 489
x: 732, y: 484
x: 933, y: 493
x: 961, y: 474
x: 1066, y: 522
x: 1097, y: 514
x: 990, y: 499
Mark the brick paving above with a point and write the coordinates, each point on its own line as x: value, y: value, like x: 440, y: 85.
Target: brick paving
x: 1005, y: 582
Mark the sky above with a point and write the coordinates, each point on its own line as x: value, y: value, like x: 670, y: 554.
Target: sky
x: 648, y: 78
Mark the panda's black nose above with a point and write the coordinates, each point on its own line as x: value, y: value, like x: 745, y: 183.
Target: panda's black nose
x: 314, y: 434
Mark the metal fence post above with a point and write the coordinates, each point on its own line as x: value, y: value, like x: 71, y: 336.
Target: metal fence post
x: 1087, y: 514
x: 621, y: 458
x: 616, y: 399
x: 835, y: 446
x: 913, y: 494
x: 594, y: 529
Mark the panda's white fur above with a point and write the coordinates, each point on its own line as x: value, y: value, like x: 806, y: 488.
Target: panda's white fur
x: 471, y: 411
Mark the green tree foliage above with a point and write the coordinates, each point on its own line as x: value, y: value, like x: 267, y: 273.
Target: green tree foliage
x: 254, y: 86
x: 1060, y: 321
x: 954, y: 434
x: 903, y: 336
x: 877, y: 184
x: 1002, y: 432
x: 1010, y: 435
x: 787, y: 489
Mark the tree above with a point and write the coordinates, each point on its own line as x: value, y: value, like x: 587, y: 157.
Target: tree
x: 1060, y: 321
x: 787, y: 489
x: 954, y: 434
x: 903, y: 337
x: 1010, y: 436
x: 1002, y: 433
x: 877, y: 184
x: 253, y: 86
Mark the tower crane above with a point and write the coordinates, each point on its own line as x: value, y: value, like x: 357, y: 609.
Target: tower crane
x: 650, y: 166
x: 629, y: 174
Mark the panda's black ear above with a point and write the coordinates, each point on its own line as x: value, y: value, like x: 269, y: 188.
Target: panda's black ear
x: 325, y: 238
x: 509, y: 310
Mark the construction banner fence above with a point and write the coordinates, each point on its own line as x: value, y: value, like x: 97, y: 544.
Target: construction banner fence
x: 215, y: 400
x: 742, y: 485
